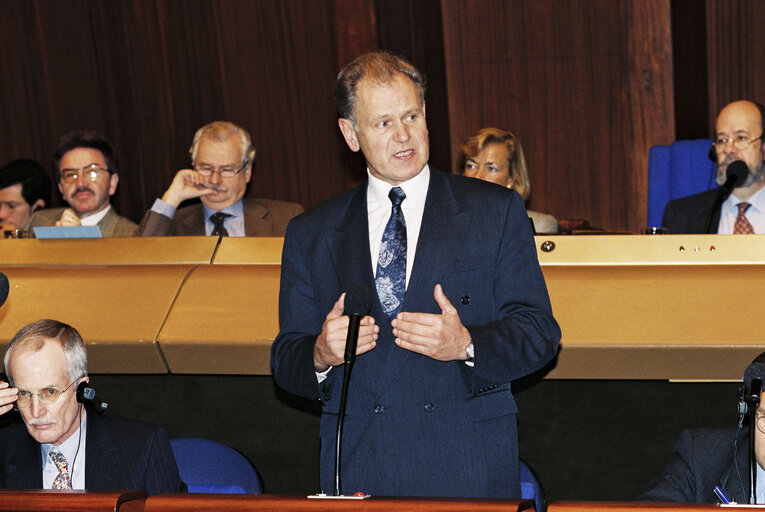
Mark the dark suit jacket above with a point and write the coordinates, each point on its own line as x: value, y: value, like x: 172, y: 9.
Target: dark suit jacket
x: 112, y: 225
x: 702, y: 459
x: 416, y: 426
x: 262, y: 217
x: 688, y: 215
x: 120, y: 455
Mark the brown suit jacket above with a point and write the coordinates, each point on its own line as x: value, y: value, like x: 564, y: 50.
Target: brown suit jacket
x: 112, y: 225
x: 262, y: 217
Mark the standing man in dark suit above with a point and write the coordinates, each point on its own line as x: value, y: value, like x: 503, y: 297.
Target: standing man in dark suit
x: 738, y: 136
x: 461, y: 307
x: 61, y: 444
x: 86, y: 169
x: 221, y: 157
x: 705, y: 458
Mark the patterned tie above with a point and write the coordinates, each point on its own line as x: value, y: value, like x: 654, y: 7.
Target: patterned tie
x: 62, y: 480
x: 391, y: 263
x: 742, y: 226
x: 217, y: 220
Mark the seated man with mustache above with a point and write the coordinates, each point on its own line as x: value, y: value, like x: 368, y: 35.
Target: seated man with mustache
x: 221, y: 159
x: 87, y: 178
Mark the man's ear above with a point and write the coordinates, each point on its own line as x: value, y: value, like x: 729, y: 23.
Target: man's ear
x: 349, y: 133
x: 114, y: 179
x: 38, y: 205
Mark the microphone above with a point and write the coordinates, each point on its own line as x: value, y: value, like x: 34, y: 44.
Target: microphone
x: 358, y: 302
x: 736, y: 174
x: 4, y: 288
x: 89, y: 396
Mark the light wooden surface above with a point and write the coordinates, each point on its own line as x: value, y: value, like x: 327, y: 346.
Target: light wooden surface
x: 678, y: 307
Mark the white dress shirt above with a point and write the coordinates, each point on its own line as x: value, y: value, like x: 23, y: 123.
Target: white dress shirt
x: 74, y: 452
x: 755, y: 214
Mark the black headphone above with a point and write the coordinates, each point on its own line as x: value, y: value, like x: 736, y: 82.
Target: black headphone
x: 712, y: 154
x: 753, y: 378
x: 87, y: 395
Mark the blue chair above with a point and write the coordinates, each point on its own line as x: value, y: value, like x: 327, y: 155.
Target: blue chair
x: 209, y: 466
x: 531, y: 488
x: 676, y: 171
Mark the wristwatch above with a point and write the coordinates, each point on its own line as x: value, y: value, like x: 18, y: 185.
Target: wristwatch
x: 470, y: 350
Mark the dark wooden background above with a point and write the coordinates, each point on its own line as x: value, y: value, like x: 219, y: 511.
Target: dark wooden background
x: 587, y: 85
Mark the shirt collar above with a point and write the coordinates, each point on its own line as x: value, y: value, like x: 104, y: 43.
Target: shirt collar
x: 92, y: 220
x: 235, y: 210
x: 415, y: 188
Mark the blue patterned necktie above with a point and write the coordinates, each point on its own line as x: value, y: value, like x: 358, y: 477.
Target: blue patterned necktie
x: 390, y: 280
x: 62, y: 480
x: 217, y: 220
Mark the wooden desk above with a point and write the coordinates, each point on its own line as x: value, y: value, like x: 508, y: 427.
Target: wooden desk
x: 604, y: 506
x: 630, y: 306
x: 655, y: 306
x: 272, y: 503
x: 71, y: 501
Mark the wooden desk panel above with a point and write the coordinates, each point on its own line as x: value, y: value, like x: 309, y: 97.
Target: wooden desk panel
x: 117, y: 309
x: 71, y: 501
x: 272, y: 503
x: 604, y: 506
x: 224, y: 321
x: 655, y: 307
x: 107, y: 251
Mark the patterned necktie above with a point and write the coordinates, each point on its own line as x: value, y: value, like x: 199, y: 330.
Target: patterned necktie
x: 391, y: 262
x: 62, y: 480
x: 742, y: 226
x: 217, y: 220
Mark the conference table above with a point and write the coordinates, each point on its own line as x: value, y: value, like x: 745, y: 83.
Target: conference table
x: 671, y: 307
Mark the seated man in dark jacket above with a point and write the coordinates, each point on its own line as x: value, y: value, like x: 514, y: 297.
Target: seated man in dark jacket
x: 61, y: 444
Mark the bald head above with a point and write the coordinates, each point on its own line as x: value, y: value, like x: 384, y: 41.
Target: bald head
x: 738, y: 135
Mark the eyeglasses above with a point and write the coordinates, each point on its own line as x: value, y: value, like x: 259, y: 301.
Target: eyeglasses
x: 46, y: 396
x: 91, y: 172
x: 739, y: 142
x: 225, y: 172
x: 759, y: 419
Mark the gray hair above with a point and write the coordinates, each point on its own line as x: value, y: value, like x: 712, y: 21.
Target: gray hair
x: 36, y: 334
x: 220, y: 131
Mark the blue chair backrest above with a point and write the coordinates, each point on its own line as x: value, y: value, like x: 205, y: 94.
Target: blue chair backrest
x: 209, y: 466
x: 676, y: 171
x: 531, y: 488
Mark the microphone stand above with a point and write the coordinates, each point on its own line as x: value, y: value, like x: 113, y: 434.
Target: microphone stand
x: 341, y: 418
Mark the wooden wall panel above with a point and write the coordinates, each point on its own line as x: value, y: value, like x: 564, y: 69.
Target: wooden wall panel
x: 148, y: 74
x: 586, y: 86
x: 734, y: 48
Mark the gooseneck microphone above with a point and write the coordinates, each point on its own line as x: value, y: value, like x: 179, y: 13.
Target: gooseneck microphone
x: 736, y: 175
x: 358, y: 302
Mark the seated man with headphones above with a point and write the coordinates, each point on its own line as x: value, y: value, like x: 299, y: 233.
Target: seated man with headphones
x: 62, y: 444
x: 714, y: 465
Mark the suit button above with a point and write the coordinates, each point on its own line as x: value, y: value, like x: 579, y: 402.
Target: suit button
x: 379, y: 409
x: 465, y: 300
x: 429, y: 407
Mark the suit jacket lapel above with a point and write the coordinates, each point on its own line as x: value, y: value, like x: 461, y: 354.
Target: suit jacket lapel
x: 24, y: 469
x: 107, y: 224
x: 348, y: 243
x: 102, y: 467
x: 254, y: 213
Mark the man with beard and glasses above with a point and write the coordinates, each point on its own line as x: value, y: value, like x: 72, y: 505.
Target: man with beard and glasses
x: 86, y: 170
x: 738, y: 136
